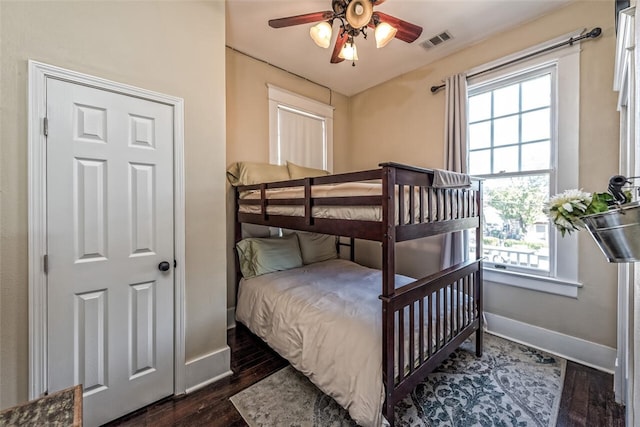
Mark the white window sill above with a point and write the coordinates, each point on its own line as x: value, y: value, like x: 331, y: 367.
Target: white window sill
x: 550, y: 285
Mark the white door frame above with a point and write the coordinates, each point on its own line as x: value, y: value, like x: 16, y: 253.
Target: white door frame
x: 37, y: 184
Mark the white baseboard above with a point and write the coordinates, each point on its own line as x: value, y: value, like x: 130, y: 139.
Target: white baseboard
x: 208, y: 369
x: 587, y: 353
x: 231, y: 317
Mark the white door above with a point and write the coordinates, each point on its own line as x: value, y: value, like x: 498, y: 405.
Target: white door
x: 109, y: 226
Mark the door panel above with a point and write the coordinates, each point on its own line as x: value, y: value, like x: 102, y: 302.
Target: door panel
x: 109, y: 225
x: 91, y: 341
x: 89, y: 208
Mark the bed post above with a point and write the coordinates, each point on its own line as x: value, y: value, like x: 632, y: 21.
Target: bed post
x: 237, y: 236
x: 479, y: 280
x: 388, y: 287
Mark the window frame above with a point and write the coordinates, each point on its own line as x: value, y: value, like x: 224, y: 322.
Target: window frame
x: 286, y: 100
x: 563, y: 274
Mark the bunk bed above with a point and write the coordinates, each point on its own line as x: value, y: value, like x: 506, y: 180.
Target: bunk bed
x: 423, y: 321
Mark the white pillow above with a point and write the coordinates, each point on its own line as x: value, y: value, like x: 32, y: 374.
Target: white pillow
x: 297, y: 172
x: 247, y: 173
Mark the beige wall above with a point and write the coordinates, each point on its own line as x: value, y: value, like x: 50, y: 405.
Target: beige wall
x: 404, y: 111
x: 175, y: 48
x: 248, y: 123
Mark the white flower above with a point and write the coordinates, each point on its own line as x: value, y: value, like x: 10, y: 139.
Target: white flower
x: 565, y: 209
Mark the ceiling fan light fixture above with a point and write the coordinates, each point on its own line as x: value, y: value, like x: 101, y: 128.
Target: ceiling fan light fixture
x: 321, y: 34
x: 349, y: 51
x: 384, y: 34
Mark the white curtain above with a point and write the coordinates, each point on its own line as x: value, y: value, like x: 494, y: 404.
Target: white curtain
x: 455, y: 156
x: 301, y: 139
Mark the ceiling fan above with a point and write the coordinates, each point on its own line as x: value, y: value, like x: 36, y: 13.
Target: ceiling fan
x: 354, y: 16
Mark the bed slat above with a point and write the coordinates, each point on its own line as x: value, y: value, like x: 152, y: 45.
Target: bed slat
x: 401, y: 341
x: 412, y: 333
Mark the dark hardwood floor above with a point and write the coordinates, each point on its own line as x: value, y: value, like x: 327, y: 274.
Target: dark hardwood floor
x: 587, y: 397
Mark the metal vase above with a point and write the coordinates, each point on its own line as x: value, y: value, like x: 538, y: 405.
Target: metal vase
x: 617, y: 232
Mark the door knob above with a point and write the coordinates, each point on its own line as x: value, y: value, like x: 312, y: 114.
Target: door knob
x: 164, y: 266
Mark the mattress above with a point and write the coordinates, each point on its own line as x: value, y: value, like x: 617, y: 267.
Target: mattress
x: 325, y: 318
x: 348, y: 189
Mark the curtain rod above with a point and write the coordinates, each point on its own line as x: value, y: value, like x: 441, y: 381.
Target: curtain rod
x: 590, y: 35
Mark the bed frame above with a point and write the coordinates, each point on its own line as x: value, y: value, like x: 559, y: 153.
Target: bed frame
x: 445, y: 210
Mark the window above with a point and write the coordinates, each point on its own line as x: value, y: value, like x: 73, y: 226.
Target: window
x: 523, y: 125
x: 510, y: 145
x: 301, y: 130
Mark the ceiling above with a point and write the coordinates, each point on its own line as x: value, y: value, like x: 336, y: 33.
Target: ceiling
x: 291, y: 48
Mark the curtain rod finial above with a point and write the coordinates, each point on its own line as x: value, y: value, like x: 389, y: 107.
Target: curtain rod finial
x: 595, y: 32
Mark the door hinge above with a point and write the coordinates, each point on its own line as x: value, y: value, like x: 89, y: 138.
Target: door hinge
x: 46, y: 264
x: 175, y: 263
x: 45, y: 126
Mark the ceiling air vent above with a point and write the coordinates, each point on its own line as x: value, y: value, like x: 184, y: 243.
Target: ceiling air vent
x: 436, y: 40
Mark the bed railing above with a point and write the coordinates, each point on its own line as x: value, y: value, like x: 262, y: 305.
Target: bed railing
x: 422, y: 210
x: 431, y: 317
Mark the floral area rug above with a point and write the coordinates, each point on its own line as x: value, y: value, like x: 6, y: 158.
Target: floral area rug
x: 511, y: 385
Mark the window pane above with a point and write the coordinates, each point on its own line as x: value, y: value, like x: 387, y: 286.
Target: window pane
x: 536, y: 93
x: 505, y: 131
x: 536, y: 156
x: 480, y: 107
x: 480, y: 162
x: 536, y: 125
x: 516, y: 231
x: 505, y: 159
x: 506, y: 100
x: 480, y: 135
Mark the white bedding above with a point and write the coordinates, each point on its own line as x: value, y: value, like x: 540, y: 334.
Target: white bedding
x: 325, y: 318
x: 348, y: 189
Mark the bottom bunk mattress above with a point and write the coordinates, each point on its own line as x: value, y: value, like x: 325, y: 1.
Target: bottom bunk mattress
x: 325, y: 319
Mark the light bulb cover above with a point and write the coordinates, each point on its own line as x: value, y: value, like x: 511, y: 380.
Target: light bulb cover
x: 349, y: 52
x: 384, y: 34
x: 321, y: 34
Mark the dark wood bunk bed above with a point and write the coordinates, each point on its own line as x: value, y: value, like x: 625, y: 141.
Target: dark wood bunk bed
x: 411, y: 208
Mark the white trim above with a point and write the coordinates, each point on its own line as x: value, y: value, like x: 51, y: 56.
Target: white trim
x: 585, y: 352
x: 522, y: 53
x: 548, y: 285
x: 179, y: 273
x: 231, y: 317
x: 567, y: 145
x: 299, y: 102
x: 207, y: 369
x: 625, y: 83
x: 37, y: 231
x: 37, y: 235
x: 625, y: 43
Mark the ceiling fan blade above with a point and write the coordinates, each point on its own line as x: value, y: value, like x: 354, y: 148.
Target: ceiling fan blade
x: 377, y: 2
x: 340, y: 41
x: 300, y: 19
x: 407, y: 32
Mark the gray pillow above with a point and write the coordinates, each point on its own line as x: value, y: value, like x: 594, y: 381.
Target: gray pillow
x: 317, y: 247
x: 261, y: 255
